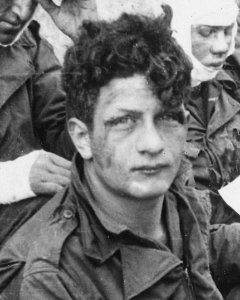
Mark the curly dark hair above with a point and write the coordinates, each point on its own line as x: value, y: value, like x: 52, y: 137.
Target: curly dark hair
x: 131, y: 44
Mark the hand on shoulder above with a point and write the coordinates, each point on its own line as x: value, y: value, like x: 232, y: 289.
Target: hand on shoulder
x: 49, y: 173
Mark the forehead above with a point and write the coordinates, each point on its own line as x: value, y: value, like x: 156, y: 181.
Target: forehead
x: 128, y: 93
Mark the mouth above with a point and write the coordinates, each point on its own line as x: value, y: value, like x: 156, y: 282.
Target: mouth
x: 9, y: 27
x: 149, y: 169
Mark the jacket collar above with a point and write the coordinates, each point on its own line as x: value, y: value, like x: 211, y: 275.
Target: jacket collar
x: 143, y: 267
x: 98, y: 244
x: 226, y: 107
x: 226, y: 79
x: 27, y: 39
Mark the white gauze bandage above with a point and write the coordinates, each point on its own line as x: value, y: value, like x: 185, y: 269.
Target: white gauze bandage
x: 205, y: 12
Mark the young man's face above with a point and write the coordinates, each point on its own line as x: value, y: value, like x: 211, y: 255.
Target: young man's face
x: 210, y: 44
x: 14, y: 14
x: 136, y: 147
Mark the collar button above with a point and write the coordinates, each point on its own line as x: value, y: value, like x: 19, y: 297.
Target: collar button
x: 68, y: 214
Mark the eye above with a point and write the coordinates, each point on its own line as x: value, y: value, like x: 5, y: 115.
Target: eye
x: 123, y: 122
x: 228, y: 31
x: 166, y: 117
x: 205, y: 31
x: 172, y: 118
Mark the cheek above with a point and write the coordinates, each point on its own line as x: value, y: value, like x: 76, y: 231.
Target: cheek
x: 103, y: 154
x: 229, y: 40
x: 176, y: 143
x: 28, y: 9
x: 109, y: 157
x: 27, y: 17
x: 200, y: 49
x: 201, y: 52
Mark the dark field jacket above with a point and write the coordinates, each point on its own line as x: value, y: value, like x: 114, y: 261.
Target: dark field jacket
x: 219, y: 141
x: 214, y: 150
x: 32, y: 102
x: 64, y: 252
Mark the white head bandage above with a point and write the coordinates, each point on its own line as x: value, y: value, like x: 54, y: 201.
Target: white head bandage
x: 205, y: 12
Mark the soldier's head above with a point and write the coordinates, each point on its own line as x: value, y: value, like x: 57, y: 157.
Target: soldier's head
x: 126, y: 82
x: 14, y: 16
x: 213, y: 32
x: 206, y: 30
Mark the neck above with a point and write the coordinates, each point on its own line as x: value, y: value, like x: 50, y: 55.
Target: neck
x: 141, y: 216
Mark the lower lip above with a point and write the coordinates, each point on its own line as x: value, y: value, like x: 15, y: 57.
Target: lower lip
x: 150, y: 171
x: 8, y: 26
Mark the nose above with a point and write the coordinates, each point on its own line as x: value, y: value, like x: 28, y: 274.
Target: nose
x: 19, y: 9
x: 221, y: 43
x: 150, y: 140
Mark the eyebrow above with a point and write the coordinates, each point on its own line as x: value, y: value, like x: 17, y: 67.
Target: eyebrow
x: 123, y: 111
x: 130, y: 111
x: 216, y: 27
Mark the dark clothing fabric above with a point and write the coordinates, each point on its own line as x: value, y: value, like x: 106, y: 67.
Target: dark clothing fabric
x: 13, y: 216
x: 213, y: 143
x: 32, y: 102
x: 76, y: 257
x: 32, y: 113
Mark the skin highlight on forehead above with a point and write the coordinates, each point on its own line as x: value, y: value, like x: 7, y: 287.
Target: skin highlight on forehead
x: 120, y: 85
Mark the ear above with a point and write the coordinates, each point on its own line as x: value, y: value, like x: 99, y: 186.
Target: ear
x: 80, y: 136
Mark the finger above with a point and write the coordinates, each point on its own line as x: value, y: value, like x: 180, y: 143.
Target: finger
x: 49, y: 6
x: 57, y: 179
x: 59, y: 161
x: 54, y: 169
x: 48, y: 188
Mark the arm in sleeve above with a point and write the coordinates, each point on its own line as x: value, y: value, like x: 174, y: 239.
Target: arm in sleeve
x: 51, y: 285
x: 49, y: 112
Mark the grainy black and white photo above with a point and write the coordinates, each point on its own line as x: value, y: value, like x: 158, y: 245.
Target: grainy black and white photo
x: 119, y: 150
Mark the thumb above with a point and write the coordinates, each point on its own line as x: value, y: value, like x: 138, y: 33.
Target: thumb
x: 49, y: 6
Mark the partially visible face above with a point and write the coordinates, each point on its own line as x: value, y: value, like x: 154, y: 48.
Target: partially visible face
x: 14, y: 14
x: 136, y: 146
x: 210, y: 44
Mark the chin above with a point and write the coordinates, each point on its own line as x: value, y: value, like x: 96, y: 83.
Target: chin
x: 6, y: 41
x: 142, y: 191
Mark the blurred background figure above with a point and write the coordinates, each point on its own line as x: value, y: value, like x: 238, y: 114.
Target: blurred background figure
x: 50, y: 31
x: 206, y: 30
